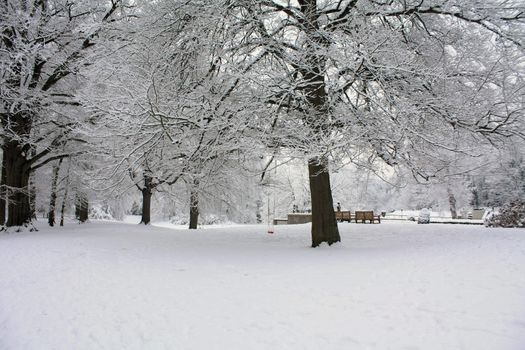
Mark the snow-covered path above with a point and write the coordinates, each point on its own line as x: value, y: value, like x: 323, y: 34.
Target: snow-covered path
x: 387, y: 286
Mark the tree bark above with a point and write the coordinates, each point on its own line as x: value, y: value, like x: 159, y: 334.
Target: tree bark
x: 53, y: 197
x: 194, y: 205
x: 81, y: 207
x: 146, y: 206
x: 452, y: 203
x: 32, y: 197
x: 32, y: 188
x: 3, y: 192
x: 147, y: 192
x: 17, y: 179
x: 324, y: 224
x: 258, y: 209
x: 63, y: 208
x: 64, y: 200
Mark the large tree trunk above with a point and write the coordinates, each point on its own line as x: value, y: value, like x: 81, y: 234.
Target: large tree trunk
x: 147, y: 192
x: 16, y: 152
x: 81, y: 207
x: 324, y: 224
x: 146, y: 206
x: 194, y: 206
x: 17, y: 179
x: 3, y: 179
x: 53, y: 197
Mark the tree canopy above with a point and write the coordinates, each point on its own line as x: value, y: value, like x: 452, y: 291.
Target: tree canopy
x: 186, y: 97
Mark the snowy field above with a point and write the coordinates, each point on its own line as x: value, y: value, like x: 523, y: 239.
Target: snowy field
x: 387, y: 286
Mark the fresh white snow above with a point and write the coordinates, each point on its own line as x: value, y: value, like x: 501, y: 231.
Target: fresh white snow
x: 386, y: 286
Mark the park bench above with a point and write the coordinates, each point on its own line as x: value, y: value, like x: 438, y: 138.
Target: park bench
x: 343, y: 216
x: 364, y: 216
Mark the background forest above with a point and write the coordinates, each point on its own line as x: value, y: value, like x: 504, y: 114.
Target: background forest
x: 214, y: 111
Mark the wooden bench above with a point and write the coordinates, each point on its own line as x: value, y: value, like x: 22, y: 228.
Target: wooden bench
x: 364, y: 216
x: 343, y: 216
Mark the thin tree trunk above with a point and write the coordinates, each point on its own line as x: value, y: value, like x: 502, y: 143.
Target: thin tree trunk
x: 77, y: 206
x: 32, y: 190
x: 32, y: 197
x: 53, y: 197
x: 64, y: 200
x: 194, y: 205
x: 324, y: 224
x: 452, y: 203
x: 63, y: 208
x: 258, y: 209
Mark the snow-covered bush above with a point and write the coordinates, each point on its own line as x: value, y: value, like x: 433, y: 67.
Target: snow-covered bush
x: 424, y: 216
x: 212, y: 219
x: 179, y: 220
x: 101, y: 212
x: 136, y: 209
x: 511, y: 215
x: 206, y: 219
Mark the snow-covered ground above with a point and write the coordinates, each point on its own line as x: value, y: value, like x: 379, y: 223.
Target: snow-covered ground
x: 387, y: 286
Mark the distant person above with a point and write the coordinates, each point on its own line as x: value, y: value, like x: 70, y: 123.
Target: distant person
x: 338, y: 206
